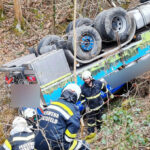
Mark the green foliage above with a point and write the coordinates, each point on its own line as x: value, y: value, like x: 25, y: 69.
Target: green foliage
x: 120, y: 126
x: 20, y: 53
x: 128, y: 103
x: 15, y: 29
x: 38, y: 15
x: 2, y: 17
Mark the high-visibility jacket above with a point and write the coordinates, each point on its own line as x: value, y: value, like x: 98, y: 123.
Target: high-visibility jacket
x: 92, y: 96
x: 60, y: 123
x: 19, y: 141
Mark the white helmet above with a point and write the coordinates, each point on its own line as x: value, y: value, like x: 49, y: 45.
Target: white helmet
x: 19, y: 121
x: 29, y: 113
x: 86, y: 75
x: 74, y: 88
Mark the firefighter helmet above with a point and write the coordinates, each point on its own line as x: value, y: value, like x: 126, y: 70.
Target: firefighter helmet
x: 29, y: 113
x: 86, y: 75
x: 74, y: 88
x: 19, y: 121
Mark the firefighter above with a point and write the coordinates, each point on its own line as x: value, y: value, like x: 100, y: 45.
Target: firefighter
x: 90, y: 96
x: 21, y: 137
x: 31, y: 117
x: 60, y: 123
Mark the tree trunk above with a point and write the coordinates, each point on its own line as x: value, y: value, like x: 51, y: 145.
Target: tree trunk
x: 54, y: 15
x: 18, y: 11
x: 75, y: 41
x: 1, y: 8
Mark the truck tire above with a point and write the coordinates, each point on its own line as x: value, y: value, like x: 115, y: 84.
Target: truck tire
x: 99, y: 24
x: 61, y: 44
x: 47, y: 48
x: 32, y: 51
x: 41, y: 42
x: 84, y: 21
x: 89, y: 42
x: 79, y: 22
x: 69, y: 27
x: 113, y: 21
x: 48, y: 41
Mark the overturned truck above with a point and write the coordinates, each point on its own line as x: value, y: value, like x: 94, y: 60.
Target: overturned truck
x: 114, y: 46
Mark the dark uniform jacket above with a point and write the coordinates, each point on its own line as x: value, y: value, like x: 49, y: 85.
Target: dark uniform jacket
x: 60, y: 122
x: 19, y: 141
x: 92, y: 96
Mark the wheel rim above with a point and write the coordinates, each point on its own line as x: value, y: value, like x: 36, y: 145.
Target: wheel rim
x: 118, y: 24
x: 87, y: 43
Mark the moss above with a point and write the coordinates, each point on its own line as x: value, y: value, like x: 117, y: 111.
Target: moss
x: 2, y: 17
x: 61, y: 28
x: 42, y: 25
x: 125, y: 5
x: 35, y: 11
x: 37, y: 14
x: 15, y: 30
x: 20, y: 53
x: 128, y: 103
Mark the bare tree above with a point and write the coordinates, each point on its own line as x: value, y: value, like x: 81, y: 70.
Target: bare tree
x: 75, y: 40
x: 54, y: 15
x: 1, y: 8
x: 18, y: 14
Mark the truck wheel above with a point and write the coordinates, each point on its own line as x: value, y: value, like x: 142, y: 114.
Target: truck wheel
x: 69, y: 27
x: 112, y: 22
x: 84, y: 21
x: 41, y: 42
x: 99, y: 24
x: 46, y: 49
x: 61, y: 44
x: 48, y: 41
x: 89, y: 42
x: 79, y: 22
x: 32, y: 51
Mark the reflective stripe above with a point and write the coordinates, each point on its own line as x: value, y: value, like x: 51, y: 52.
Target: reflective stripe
x: 69, y: 134
x: 66, y: 115
x: 74, y: 144
x: 78, y: 145
x: 66, y: 108
x: 97, y: 108
x: 82, y: 95
x: 68, y: 139
x: 102, y: 85
x: 93, y: 97
x: 91, y: 125
x: 23, y: 138
x: 83, y: 101
x: 7, y: 145
x: 106, y: 91
x: 58, y: 79
x: 98, y: 120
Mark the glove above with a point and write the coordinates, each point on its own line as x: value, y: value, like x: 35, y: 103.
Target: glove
x: 111, y: 96
x: 90, y: 138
